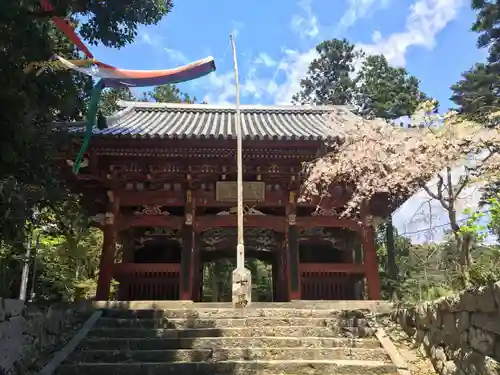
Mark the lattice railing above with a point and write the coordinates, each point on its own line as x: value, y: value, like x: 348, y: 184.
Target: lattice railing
x: 147, y: 281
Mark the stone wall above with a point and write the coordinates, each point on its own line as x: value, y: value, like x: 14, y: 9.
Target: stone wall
x: 28, y: 334
x: 460, y: 334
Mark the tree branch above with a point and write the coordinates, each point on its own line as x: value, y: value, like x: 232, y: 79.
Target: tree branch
x: 439, y: 195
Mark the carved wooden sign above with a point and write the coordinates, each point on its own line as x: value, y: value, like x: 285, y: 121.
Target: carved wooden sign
x: 254, y: 191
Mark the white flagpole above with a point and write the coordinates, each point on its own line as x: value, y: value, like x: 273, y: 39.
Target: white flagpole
x: 241, y: 276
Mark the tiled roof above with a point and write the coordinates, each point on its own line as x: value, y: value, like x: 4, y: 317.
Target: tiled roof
x: 172, y: 120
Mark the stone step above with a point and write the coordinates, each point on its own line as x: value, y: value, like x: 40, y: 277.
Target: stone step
x: 225, y: 342
x: 200, y: 313
x: 241, y: 367
x: 226, y: 322
x: 290, y: 331
x: 374, y: 306
x: 224, y: 354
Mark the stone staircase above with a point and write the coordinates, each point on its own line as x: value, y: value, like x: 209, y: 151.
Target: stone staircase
x: 225, y: 341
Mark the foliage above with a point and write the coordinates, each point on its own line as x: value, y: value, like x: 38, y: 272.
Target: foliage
x: 494, y: 224
x: 113, y: 23
x: 217, y: 280
x: 376, y: 90
x: 487, y: 23
x: 28, y: 35
x: 108, y: 104
x: 160, y: 94
x: 64, y: 265
x: 29, y: 178
x: 168, y: 94
x: 384, y: 91
x: 477, y: 93
x: 328, y: 79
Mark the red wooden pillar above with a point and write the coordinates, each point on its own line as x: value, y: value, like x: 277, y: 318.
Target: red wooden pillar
x: 108, y: 248
x: 370, y: 258
x: 197, y: 273
x: 292, y: 251
x: 188, y: 251
x: 280, y: 276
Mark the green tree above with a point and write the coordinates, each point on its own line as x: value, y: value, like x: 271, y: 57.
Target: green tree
x: 329, y: 77
x: 377, y: 90
x: 494, y: 224
x: 477, y: 93
x: 487, y: 24
x: 169, y: 94
x: 27, y: 144
x: 109, y: 100
x: 384, y: 91
x: 29, y: 176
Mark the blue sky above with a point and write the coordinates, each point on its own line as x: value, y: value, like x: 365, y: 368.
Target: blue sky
x: 275, y: 42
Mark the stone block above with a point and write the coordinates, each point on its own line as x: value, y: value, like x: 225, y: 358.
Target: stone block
x: 437, y: 335
x: 449, y: 322
x: 485, y: 299
x: 241, y: 287
x: 434, y: 316
x: 468, y: 301
x: 462, y: 321
x: 422, y: 318
x: 13, y: 307
x: 496, y: 293
x: 482, y: 341
x: 449, y: 303
x: 11, y: 342
x: 488, y: 322
x: 464, y: 339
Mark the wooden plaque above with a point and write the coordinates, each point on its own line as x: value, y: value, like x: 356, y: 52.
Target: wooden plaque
x: 254, y: 191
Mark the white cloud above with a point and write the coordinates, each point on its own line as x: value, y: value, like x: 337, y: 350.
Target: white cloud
x: 146, y: 38
x: 426, y: 19
x: 306, y: 26
x: 222, y: 88
x: 294, y: 66
x: 236, y: 28
x: 176, y: 56
x: 265, y: 59
x: 358, y: 9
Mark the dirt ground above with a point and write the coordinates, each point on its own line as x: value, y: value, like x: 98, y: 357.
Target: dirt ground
x: 417, y: 363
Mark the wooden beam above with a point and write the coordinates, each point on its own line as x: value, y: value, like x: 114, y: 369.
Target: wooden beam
x: 161, y: 198
x: 328, y: 222
x: 131, y: 221
x: 208, y: 199
x: 127, y: 269
x: 357, y: 268
x: 276, y: 223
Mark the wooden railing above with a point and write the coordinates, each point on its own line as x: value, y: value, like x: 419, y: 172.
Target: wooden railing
x: 330, y: 281
x: 147, y: 281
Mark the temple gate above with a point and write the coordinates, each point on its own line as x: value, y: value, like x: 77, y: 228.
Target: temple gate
x: 160, y: 181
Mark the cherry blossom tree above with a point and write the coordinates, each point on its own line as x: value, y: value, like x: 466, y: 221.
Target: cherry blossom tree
x: 376, y: 159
